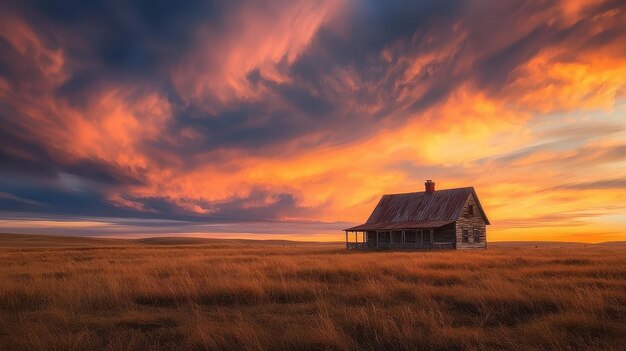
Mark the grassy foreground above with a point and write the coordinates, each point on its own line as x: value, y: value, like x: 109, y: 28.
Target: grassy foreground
x: 212, y: 297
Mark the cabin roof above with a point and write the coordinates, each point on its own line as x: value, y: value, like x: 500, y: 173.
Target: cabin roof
x: 419, y: 210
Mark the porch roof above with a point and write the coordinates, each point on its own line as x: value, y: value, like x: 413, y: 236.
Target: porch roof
x: 399, y: 225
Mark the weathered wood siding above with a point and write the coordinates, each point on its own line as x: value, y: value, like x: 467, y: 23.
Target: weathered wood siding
x: 447, y: 233
x: 470, y: 222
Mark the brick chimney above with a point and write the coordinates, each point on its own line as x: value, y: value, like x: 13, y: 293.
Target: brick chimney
x: 430, y: 186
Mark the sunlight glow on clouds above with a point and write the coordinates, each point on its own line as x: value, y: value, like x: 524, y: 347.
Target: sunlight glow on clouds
x: 300, y: 115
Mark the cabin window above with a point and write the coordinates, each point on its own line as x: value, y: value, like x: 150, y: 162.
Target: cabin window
x: 476, y: 235
x: 471, y: 209
x: 465, y: 236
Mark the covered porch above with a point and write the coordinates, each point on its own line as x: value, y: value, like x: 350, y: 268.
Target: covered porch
x: 433, y: 235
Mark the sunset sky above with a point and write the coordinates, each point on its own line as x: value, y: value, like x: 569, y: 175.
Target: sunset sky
x: 289, y: 119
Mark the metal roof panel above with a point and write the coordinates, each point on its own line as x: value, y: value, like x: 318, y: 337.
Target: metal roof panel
x: 416, y: 210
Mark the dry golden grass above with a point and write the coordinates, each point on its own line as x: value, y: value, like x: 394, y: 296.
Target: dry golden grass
x: 283, y: 298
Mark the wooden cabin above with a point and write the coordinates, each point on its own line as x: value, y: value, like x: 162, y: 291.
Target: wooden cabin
x: 431, y: 219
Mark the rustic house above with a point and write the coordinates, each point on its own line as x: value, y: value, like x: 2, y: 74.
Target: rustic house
x: 432, y: 219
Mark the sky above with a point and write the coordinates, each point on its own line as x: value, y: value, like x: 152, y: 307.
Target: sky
x: 290, y: 118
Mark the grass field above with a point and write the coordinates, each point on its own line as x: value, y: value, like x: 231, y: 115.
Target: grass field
x: 252, y: 296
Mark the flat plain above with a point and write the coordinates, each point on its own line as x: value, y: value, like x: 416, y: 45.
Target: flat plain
x: 158, y: 294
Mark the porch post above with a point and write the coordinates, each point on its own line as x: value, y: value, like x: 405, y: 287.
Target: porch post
x: 377, y: 239
x: 390, y: 239
x: 346, y: 239
x: 431, y: 237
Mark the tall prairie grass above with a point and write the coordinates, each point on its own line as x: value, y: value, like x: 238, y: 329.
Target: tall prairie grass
x: 247, y: 298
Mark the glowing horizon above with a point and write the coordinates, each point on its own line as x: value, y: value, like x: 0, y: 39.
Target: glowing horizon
x: 291, y: 118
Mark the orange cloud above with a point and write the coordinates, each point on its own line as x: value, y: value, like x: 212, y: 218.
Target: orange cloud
x: 259, y: 36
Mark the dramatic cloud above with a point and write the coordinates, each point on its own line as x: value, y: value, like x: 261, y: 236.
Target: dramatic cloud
x: 300, y: 114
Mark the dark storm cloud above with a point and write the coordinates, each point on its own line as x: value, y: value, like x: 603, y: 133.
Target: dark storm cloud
x: 238, y: 126
x: 373, y: 27
x: 76, y: 196
x: 131, y: 37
